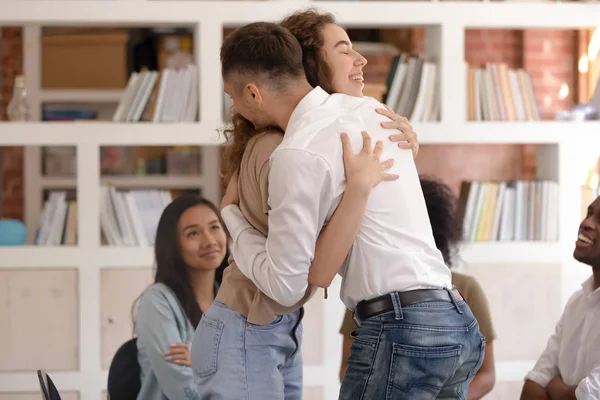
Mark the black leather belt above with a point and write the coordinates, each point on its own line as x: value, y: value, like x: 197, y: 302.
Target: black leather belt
x: 382, y: 304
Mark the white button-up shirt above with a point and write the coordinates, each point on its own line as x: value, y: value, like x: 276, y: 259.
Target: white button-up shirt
x: 394, y: 249
x: 573, y: 351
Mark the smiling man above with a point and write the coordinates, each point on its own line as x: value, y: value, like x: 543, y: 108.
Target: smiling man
x: 569, y: 368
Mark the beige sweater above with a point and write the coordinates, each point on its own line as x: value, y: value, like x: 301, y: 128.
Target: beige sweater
x: 237, y: 291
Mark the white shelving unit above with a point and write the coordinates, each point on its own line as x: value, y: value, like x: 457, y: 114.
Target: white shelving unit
x: 445, y: 35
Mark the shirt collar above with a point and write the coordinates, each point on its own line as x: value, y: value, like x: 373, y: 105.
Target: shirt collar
x: 313, y: 99
x: 588, y: 289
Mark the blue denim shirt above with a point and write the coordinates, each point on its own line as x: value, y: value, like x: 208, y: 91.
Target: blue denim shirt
x: 161, y: 322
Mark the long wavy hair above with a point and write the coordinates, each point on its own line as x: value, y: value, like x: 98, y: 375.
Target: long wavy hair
x: 307, y: 27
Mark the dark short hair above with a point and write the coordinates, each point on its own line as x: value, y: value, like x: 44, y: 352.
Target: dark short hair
x: 261, y: 50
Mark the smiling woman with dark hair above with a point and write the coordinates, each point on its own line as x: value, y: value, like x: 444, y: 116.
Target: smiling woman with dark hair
x: 191, y: 253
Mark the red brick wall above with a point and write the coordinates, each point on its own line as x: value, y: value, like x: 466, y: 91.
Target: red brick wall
x: 12, y: 173
x: 551, y: 57
x: 495, y: 46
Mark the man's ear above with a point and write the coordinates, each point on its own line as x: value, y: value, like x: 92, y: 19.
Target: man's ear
x: 254, y: 93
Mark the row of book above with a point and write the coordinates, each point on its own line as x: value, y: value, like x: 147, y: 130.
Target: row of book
x: 498, y: 93
x: 490, y: 211
x: 58, y: 222
x: 170, y: 95
x: 413, y: 88
x: 509, y: 211
x: 130, y: 218
x: 127, y: 218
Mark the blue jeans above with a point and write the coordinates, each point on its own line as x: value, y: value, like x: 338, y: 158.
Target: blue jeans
x: 427, y: 350
x: 233, y: 359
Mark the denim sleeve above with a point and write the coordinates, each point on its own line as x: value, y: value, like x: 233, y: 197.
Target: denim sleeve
x: 156, y: 329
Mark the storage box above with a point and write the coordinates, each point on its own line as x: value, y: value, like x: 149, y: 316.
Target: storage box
x: 90, y: 60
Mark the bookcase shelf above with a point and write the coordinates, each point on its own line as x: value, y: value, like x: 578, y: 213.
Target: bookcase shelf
x: 445, y: 24
x: 130, y: 182
x: 80, y: 95
x: 39, y: 257
x: 206, y: 134
x: 108, y: 134
x: 143, y: 257
x: 233, y: 13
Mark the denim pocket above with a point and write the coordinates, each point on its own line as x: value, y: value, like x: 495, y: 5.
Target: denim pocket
x: 420, y: 372
x: 206, y: 347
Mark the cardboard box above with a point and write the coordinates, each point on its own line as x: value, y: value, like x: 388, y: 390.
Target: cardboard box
x: 87, y: 60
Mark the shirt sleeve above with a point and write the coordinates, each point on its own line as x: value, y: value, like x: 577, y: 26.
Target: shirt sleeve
x: 156, y: 329
x: 300, y: 195
x: 546, y: 366
x: 589, y: 387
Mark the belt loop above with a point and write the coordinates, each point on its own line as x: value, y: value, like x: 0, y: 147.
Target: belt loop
x: 355, y: 319
x: 397, y: 306
x: 453, y: 299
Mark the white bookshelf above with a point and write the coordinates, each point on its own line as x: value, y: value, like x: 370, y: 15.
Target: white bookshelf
x: 131, y: 182
x: 80, y: 95
x: 445, y: 35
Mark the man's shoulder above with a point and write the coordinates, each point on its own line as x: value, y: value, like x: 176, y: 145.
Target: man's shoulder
x: 323, y: 125
x: 575, y: 299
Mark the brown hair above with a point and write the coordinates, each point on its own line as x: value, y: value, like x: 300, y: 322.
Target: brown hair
x: 306, y: 26
x: 261, y: 50
x: 258, y: 50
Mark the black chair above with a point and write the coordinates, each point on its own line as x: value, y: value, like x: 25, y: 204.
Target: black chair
x: 124, y: 373
x: 49, y: 391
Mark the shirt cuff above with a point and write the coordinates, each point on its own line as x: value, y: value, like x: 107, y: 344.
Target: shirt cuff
x: 539, y: 378
x: 587, y: 389
x: 234, y: 220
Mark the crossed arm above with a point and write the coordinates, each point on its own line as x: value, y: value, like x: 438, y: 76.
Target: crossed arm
x: 545, y: 382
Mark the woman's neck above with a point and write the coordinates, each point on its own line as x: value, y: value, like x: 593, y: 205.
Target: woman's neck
x: 203, y: 283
